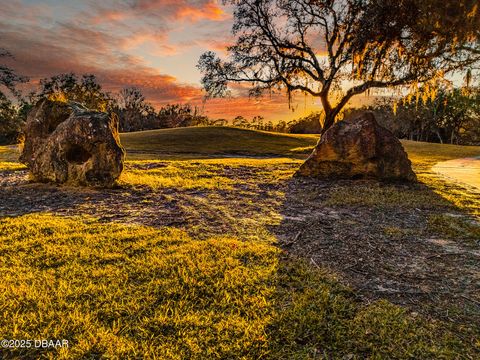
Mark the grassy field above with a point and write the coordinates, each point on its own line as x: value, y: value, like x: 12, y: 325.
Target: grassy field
x: 214, y: 141
x: 421, y: 152
x: 210, y: 141
x: 227, y: 141
x: 187, y: 260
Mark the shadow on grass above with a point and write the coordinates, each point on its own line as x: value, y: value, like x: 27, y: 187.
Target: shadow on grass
x: 19, y: 196
x: 403, y: 243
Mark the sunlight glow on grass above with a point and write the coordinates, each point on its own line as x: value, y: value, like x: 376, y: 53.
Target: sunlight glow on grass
x: 118, y: 291
x: 11, y: 166
x: 202, y: 173
x: 181, y: 175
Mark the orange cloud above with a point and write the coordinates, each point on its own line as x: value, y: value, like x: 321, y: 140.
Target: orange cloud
x: 162, y: 9
x: 210, y: 11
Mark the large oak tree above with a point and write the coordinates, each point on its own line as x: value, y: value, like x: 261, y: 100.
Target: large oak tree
x: 336, y: 49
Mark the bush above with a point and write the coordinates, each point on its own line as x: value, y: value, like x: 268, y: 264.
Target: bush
x: 311, y: 124
x: 10, y: 121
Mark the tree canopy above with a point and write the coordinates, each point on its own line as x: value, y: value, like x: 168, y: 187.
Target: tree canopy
x: 10, y: 123
x: 8, y: 77
x: 85, y: 90
x: 452, y: 116
x: 336, y: 49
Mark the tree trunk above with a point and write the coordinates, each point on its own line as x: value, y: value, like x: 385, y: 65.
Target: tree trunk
x: 329, y: 121
x: 329, y: 115
x: 439, y: 137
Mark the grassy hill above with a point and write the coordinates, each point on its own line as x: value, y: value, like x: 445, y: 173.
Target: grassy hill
x: 223, y: 141
x: 211, y: 141
x: 215, y: 141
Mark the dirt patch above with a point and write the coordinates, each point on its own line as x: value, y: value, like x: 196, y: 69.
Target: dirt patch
x: 465, y: 171
x: 385, y: 251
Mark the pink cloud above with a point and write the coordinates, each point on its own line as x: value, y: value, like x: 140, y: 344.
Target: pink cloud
x: 171, y: 10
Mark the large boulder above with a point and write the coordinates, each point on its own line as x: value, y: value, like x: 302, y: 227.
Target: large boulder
x: 358, y: 148
x: 65, y: 143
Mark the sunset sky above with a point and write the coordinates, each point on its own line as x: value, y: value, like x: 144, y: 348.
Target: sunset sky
x: 150, y: 44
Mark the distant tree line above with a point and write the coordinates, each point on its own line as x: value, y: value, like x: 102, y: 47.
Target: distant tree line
x: 136, y: 114
x: 449, y: 116
x: 133, y: 110
x: 444, y: 115
x: 310, y: 124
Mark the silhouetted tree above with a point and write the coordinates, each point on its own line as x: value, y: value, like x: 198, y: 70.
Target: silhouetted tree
x: 240, y: 121
x: 316, y: 46
x: 10, y: 120
x: 8, y: 77
x: 133, y: 110
x: 175, y: 115
x: 69, y: 87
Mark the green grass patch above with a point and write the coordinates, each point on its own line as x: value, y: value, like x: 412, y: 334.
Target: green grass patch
x: 320, y: 319
x: 117, y: 291
x: 454, y: 226
x: 428, y: 153
x: 133, y: 292
x: 375, y: 194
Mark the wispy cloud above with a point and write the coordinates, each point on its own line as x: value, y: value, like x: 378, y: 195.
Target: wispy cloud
x: 127, y: 43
